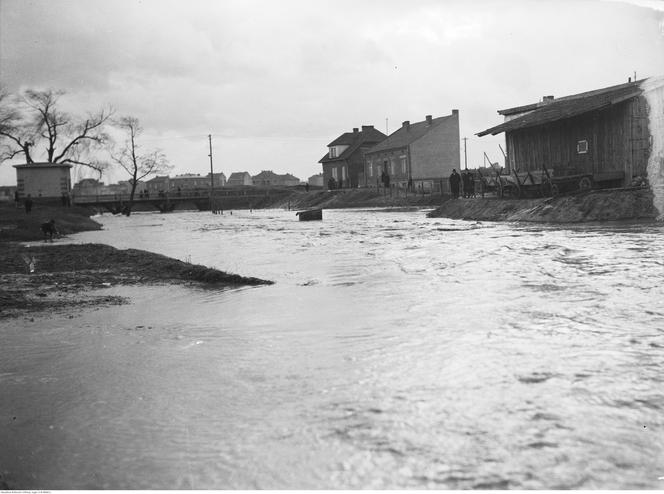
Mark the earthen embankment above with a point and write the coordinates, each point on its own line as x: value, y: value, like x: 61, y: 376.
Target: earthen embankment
x: 593, y: 206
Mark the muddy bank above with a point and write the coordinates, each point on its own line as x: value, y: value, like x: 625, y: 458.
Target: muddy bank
x: 355, y: 198
x: 17, y: 225
x: 64, y: 276
x: 599, y: 205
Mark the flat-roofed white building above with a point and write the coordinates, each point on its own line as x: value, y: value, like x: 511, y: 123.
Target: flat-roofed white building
x: 43, y: 179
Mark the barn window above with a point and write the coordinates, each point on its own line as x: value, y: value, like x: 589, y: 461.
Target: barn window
x: 582, y: 147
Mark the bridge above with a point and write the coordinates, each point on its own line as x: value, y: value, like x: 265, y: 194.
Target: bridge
x: 241, y: 198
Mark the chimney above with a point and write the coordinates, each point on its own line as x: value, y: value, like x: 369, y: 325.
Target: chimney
x: 455, y: 112
x: 547, y: 99
x: 367, y: 127
x: 406, y: 124
x: 355, y: 130
x: 429, y: 119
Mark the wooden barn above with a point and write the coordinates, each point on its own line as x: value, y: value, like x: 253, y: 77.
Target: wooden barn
x: 599, y: 138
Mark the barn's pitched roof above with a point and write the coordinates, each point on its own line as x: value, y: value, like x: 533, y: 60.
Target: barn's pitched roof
x: 566, y: 107
x: 406, y: 135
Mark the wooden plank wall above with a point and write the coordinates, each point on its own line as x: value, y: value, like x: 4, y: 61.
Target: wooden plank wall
x: 618, y: 140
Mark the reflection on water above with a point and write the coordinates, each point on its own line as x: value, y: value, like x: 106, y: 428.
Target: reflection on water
x: 392, y: 351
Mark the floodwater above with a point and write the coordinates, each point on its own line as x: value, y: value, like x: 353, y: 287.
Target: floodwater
x: 393, y: 351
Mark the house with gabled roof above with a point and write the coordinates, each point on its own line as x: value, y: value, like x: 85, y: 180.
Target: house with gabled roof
x: 290, y: 180
x: 420, y: 155
x: 267, y: 178
x: 343, y: 164
x: 238, y: 179
x: 604, y: 137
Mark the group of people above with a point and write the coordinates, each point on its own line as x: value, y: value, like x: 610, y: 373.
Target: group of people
x: 464, y: 179
x: 65, y: 199
x: 332, y: 183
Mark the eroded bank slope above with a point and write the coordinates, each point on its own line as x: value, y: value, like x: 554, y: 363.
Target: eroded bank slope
x: 599, y: 205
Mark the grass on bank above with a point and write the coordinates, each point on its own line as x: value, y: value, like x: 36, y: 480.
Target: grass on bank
x: 18, y: 226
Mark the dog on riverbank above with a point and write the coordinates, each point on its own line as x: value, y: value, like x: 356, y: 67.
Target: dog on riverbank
x: 49, y: 230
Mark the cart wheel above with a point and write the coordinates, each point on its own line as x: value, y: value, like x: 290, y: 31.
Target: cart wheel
x: 585, y: 184
x: 555, y: 190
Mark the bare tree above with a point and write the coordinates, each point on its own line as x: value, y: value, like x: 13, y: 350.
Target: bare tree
x: 128, y: 156
x: 16, y: 134
x: 34, y: 120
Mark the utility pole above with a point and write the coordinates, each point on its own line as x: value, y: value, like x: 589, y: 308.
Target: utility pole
x: 211, y: 176
x: 465, y: 155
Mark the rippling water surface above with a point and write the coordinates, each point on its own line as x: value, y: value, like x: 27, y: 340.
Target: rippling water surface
x: 393, y: 351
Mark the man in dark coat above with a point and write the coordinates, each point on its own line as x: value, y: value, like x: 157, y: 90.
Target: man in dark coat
x: 455, y: 181
x: 28, y: 204
x: 468, y: 185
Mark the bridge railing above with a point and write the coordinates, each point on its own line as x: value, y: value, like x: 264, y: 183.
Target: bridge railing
x: 196, y: 194
x: 112, y: 198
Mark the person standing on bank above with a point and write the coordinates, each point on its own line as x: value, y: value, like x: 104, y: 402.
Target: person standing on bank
x: 28, y: 204
x: 455, y: 180
x: 467, y: 184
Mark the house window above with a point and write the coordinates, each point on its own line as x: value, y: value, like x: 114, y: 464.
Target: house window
x: 403, y: 165
x: 392, y: 167
x: 370, y: 169
x: 582, y: 147
x: 333, y: 152
x: 343, y: 173
x: 334, y: 173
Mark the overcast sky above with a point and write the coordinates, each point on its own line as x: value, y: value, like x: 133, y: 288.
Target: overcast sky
x: 275, y: 81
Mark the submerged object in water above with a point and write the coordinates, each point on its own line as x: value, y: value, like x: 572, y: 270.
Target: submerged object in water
x: 310, y: 215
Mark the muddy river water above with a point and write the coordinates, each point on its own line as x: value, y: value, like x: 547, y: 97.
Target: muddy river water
x: 393, y: 351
